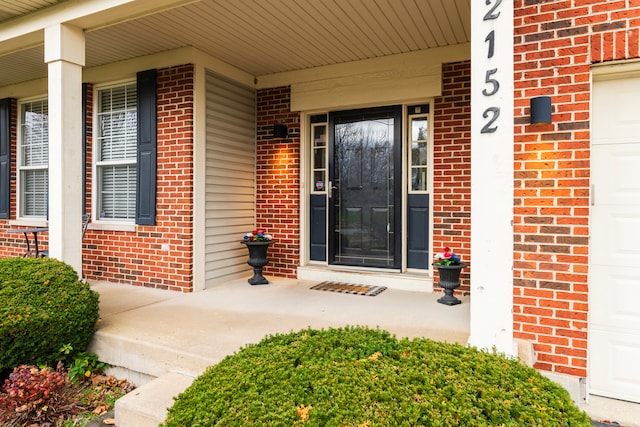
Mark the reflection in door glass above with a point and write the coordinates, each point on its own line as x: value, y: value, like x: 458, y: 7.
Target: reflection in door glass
x: 364, y: 200
x: 419, y: 154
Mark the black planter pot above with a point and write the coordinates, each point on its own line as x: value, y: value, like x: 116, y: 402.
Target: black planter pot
x: 449, y: 280
x: 257, y: 260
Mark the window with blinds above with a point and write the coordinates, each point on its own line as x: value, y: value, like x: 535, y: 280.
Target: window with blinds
x: 116, y: 152
x: 33, y: 159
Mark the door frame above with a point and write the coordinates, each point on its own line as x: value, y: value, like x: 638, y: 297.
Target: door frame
x: 314, y: 268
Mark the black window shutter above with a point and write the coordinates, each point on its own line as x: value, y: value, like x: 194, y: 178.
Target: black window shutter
x: 5, y: 158
x: 147, y: 152
x: 85, y: 87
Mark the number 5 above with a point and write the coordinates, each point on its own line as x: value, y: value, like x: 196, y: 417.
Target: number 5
x: 493, y: 82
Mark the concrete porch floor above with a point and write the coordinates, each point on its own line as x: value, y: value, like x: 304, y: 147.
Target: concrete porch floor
x: 162, y: 340
x: 173, y: 332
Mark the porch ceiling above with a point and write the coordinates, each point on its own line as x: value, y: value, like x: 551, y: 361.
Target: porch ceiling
x: 261, y: 37
x: 14, y: 8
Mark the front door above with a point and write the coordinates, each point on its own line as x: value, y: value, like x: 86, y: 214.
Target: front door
x: 364, y: 197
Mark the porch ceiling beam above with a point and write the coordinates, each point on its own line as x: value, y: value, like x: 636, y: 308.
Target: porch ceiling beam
x: 27, y: 31
x: 424, y: 59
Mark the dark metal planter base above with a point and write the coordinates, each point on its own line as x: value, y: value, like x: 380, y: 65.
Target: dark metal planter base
x: 449, y: 299
x: 449, y: 280
x: 258, y: 278
x: 257, y: 260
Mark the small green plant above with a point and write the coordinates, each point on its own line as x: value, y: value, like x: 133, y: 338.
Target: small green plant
x: 84, y: 366
x: 66, y: 350
x: 361, y: 377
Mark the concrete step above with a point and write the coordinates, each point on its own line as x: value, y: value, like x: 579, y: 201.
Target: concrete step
x: 147, y: 405
x: 140, y: 360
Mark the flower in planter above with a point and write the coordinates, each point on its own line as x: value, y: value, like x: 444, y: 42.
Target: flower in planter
x: 446, y: 257
x: 258, y: 235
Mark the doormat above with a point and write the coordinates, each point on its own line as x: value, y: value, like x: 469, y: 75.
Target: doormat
x: 346, y: 288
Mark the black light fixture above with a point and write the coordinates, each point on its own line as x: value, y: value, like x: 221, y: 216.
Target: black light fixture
x: 280, y: 130
x: 540, y: 110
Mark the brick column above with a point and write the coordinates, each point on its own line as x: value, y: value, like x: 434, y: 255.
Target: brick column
x: 278, y: 180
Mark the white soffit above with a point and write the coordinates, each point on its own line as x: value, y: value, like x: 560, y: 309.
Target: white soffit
x: 262, y: 38
x: 10, y: 9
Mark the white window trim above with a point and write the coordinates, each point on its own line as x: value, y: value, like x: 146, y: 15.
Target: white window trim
x: 98, y: 223
x: 20, y: 218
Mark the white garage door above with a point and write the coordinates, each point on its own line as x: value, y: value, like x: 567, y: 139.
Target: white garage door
x: 614, y: 297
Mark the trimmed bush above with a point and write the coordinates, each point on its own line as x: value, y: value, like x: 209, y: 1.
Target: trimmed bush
x: 361, y: 377
x: 43, y: 306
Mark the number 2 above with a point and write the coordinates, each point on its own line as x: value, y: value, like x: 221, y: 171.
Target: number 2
x: 487, y: 128
x: 491, y: 13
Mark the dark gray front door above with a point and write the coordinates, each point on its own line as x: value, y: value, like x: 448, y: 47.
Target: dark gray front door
x: 365, y: 167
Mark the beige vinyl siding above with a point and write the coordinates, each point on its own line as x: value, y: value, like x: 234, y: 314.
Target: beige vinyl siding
x: 230, y: 177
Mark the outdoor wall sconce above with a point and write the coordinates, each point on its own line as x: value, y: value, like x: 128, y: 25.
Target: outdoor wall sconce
x: 540, y: 110
x: 280, y: 130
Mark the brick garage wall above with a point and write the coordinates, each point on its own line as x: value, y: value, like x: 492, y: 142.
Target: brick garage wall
x: 452, y: 165
x: 278, y: 180
x: 555, y: 44
x: 137, y: 257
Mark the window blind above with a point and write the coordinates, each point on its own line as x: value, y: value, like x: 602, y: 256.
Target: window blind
x: 116, y: 163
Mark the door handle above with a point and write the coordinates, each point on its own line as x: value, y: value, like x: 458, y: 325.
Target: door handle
x: 331, y: 188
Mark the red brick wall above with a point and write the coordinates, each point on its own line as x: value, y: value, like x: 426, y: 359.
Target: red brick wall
x: 452, y: 165
x: 278, y: 180
x: 555, y: 44
x: 137, y: 257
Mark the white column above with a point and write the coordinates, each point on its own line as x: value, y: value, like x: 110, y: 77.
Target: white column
x: 64, y: 54
x: 492, y: 175
x: 199, y: 178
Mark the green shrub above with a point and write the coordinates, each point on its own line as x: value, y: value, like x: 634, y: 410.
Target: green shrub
x: 362, y: 377
x: 43, y: 307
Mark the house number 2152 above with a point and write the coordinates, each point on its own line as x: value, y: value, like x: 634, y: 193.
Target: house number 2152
x: 492, y: 113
